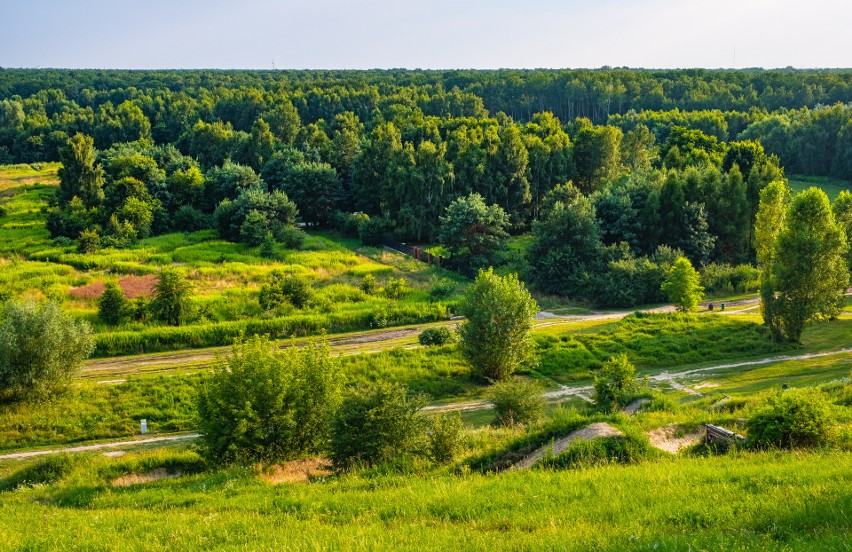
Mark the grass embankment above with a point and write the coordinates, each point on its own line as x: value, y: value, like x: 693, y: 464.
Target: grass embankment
x: 746, y: 501
x: 227, y: 278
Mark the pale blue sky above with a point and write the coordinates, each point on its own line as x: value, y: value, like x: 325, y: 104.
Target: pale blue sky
x: 325, y: 34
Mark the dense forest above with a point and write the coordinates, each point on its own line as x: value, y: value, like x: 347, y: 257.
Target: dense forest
x: 609, y: 174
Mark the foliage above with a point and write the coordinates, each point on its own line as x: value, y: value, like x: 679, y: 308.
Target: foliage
x: 112, y: 305
x: 808, y: 270
x: 445, y: 438
x: 436, y: 336
x: 472, y: 231
x: 682, y: 286
x: 395, y: 288
x: 792, y: 419
x: 441, y: 288
x: 376, y: 424
x: 284, y: 288
x: 369, y: 284
x: 41, y: 349
x: 615, y: 383
x: 495, y: 336
x: 172, y: 303
x: 517, y: 402
x: 266, y: 404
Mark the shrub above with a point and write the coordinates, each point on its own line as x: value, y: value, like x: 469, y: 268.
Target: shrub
x: 378, y: 319
x: 441, y: 288
x: 615, y: 383
x: 41, y: 348
x: 436, y: 336
x: 265, y: 404
x: 172, y: 303
x: 682, y: 286
x: 112, y: 305
x: 290, y: 237
x: 374, y: 230
x: 47, y: 470
x: 89, y: 241
x: 349, y: 223
x: 445, y: 438
x: 285, y: 288
x: 190, y: 219
x: 376, y: 424
x: 519, y: 402
x: 395, y: 288
x: 368, y: 284
x: 792, y: 419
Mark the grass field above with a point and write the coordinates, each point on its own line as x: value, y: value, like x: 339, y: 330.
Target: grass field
x: 227, y: 278
x: 831, y: 186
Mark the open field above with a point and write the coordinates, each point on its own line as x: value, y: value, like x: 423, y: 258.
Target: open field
x: 226, y: 277
x: 831, y: 186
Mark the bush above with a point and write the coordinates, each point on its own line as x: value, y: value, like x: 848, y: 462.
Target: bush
x: 89, y: 241
x: 190, y: 219
x: 3, y: 211
x: 376, y: 424
x: 436, y: 336
x: 718, y: 278
x: 792, y: 419
x: 349, y: 223
x: 290, y: 237
x: 284, y: 288
x: 112, y: 305
x: 395, y: 288
x: 441, y: 288
x: 445, y: 438
x: 369, y: 285
x: 41, y: 348
x: 374, y: 230
x: 615, y: 383
x: 47, y: 470
x: 263, y: 404
x: 519, y: 402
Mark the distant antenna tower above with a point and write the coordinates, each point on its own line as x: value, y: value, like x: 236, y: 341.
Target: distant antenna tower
x: 273, y: 64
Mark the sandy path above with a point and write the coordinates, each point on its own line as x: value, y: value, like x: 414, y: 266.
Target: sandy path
x: 99, y: 446
x: 668, y: 377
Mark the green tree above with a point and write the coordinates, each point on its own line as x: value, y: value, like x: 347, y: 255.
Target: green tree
x: 842, y: 209
x: 809, y: 274
x: 264, y: 404
x: 771, y: 215
x: 172, y: 303
x: 495, y: 336
x: 596, y: 155
x: 79, y: 175
x: 615, y: 383
x: 566, y: 247
x: 682, y: 286
x: 376, y: 424
x: 41, y: 349
x: 112, y: 305
x: 473, y: 231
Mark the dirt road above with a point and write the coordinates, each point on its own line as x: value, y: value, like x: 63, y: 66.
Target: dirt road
x: 99, y: 446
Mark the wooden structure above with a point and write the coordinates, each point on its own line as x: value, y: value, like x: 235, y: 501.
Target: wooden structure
x: 715, y: 434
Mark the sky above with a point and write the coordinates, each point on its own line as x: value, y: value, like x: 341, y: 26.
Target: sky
x: 434, y: 34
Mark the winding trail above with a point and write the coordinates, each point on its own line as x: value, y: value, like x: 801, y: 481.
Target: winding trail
x: 99, y: 446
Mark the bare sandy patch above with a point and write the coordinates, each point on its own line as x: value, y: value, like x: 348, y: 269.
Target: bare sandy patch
x: 591, y: 431
x: 137, y: 478
x: 297, y: 471
x: 664, y: 438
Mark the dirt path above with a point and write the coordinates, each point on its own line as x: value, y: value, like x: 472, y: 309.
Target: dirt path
x: 667, y: 377
x: 99, y: 446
